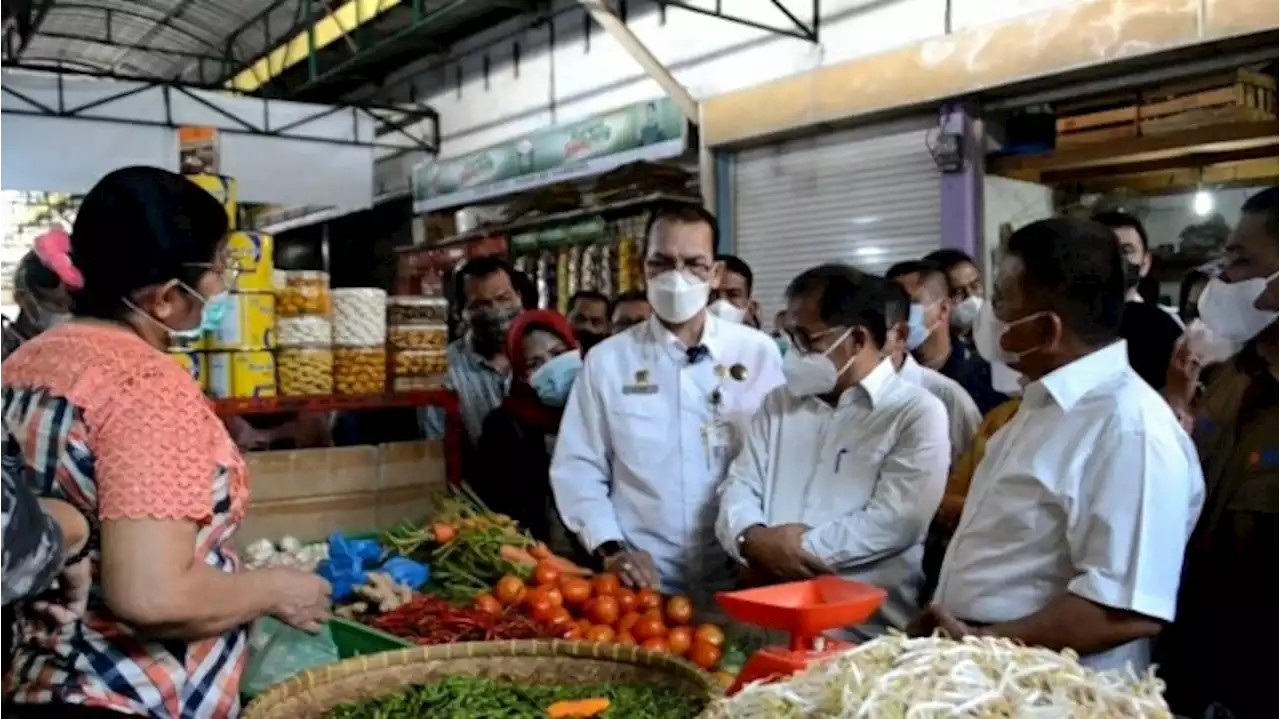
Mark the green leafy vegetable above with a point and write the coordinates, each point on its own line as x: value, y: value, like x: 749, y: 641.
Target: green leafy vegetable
x: 481, y: 698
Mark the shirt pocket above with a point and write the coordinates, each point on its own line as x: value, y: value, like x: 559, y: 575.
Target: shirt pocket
x: 643, y: 436
x: 860, y: 459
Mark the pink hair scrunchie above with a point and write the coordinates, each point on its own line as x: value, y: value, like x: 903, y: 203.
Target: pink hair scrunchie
x: 54, y: 250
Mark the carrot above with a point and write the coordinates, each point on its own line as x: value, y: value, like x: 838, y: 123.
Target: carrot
x: 565, y: 566
x: 579, y: 708
x: 540, y: 551
x: 517, y: 556
x: 444, y: 533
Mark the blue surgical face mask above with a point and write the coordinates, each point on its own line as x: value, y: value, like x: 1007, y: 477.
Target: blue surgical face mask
x: 553, y: 380
x: 212, y: 311
x: 917, y: 332
x: 211, y: 314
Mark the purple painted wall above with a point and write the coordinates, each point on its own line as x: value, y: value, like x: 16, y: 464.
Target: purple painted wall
x: 962, y: 191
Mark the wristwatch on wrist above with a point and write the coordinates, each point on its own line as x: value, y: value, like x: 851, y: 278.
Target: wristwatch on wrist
x: 741, y: 541
x: 608, y: 549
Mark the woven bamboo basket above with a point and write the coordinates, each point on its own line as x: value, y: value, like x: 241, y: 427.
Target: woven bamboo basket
x: 536, y: 661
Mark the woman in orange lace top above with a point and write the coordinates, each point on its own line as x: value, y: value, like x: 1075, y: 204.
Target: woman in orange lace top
x: 97, y: 415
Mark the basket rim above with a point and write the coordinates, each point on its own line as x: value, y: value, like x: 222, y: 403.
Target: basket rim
x: 337, y: 671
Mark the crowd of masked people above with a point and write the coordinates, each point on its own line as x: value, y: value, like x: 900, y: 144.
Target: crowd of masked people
x: 1063, y: 461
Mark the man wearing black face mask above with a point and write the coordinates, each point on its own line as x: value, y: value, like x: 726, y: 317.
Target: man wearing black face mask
x: 486, y: 290
x: 589, y: 316
x: 1150, y: 331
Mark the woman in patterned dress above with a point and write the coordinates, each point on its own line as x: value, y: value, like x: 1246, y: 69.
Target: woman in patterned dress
x: 97, y: 415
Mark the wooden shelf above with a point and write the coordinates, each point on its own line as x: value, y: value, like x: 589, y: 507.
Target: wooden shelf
x: 1243, y: 152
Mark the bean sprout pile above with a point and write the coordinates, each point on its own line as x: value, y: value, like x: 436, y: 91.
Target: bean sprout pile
x: 894, y: 677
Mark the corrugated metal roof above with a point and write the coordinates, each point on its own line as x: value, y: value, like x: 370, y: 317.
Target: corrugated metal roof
x: 168, y: 39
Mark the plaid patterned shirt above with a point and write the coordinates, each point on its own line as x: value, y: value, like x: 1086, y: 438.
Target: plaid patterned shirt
x: 97, y: 418
x: 480, y: 387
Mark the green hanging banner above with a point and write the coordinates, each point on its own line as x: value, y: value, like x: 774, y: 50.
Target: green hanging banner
x: 646, y: 131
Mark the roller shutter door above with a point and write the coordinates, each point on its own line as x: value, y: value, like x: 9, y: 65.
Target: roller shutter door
x: 869, y: 197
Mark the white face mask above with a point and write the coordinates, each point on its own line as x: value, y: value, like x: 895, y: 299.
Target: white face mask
x: 811, y: 373
x: 1006, y: 380
x: 676, y: 297
x: 987, y: 331
x: 727, y: 311
x: 1227, y: 308
x: 965, y: 314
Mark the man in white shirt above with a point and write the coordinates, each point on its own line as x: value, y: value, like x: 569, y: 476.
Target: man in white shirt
x: 907, y: 331
x: 1074, y: 529
x: 649, y: 428
x: 844, y: 467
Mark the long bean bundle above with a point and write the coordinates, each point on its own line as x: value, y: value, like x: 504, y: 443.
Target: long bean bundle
x: 894, y: 677
x: 482, y: 698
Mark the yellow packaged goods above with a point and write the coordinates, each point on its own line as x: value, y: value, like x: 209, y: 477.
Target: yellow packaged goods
x: 360, y: 370
x: 420, y: 363
x: 223, y: 190
x: 251, y: 253
x: 192, y: 344
x: 419, y: 337
x: 411, y: 310
x: 250, y: 323
x: 195, y: 365
x: 305, y: 372
x: 242, y: 375
x: 304, y: 292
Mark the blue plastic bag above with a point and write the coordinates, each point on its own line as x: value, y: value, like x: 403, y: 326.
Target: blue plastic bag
x: 407, y: 572
x: 345, y: 567
x: 366, y: 549
x: 344, y: 574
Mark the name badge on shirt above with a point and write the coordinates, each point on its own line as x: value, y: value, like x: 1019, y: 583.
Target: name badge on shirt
x: 641, y: 384
x: 717, y: 435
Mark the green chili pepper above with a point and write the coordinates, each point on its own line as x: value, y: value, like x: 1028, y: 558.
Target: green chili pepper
x: 481, y: 698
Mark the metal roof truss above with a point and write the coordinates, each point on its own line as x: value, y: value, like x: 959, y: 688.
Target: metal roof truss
x: 166, y: 104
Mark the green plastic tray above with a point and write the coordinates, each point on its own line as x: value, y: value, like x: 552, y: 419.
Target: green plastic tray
x: 355, y: 639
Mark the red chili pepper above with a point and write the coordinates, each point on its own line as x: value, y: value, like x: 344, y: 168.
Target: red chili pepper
x: 431, y: 620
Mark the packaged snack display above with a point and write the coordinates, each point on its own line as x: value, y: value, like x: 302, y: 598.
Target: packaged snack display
x: 303, y: 292
x: 415, y: 370
x: 411, y: 310
x: 249, y: 324
x: 360, y: 370
x: 306, y: 331
x: 419, y: 337
x: 359, y: 317
x: 305, y: 372
x: 242, y: 375
x: 251, y: 253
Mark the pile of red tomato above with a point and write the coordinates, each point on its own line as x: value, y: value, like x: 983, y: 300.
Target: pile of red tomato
x: 600, y: 609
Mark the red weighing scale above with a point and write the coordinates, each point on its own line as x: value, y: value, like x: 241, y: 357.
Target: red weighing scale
x: 805, y: 610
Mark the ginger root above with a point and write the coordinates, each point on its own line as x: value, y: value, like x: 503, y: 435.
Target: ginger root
x: 383, y: 591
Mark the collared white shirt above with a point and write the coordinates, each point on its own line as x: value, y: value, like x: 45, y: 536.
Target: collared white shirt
x: 640, y: 466
x: 1093, y: 488
x: 963, y: 416
x: 867, y: 475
